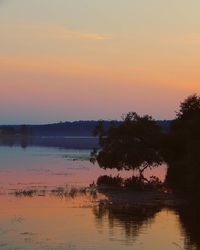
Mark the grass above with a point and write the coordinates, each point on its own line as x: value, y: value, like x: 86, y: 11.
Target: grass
x: 70, y: 192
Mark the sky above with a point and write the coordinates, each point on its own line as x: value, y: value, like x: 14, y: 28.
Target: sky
x: 89, y: 59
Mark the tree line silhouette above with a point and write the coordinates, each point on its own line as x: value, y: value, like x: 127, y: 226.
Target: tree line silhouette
x: 23, y: 130
x: 138, y: 143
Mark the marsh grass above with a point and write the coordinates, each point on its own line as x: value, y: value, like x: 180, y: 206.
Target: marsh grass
x: 62, y: 192
x: 134, y: 183
x: 25, y: 192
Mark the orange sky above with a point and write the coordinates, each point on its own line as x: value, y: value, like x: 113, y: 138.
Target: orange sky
x: 75, y: 60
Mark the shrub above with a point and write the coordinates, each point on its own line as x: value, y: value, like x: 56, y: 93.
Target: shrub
x: 134, y: 183
x: 106, y: 180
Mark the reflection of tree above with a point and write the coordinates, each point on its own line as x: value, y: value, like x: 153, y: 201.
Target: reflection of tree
x: 190, y: 220
x: 131, y: 219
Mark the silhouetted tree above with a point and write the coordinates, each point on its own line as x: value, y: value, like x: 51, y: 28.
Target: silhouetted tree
x: 133, y: 144
x: 189, y: 108
x: 184, y: 147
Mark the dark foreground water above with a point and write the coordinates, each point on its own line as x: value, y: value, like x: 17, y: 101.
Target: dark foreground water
x: 79, y: 223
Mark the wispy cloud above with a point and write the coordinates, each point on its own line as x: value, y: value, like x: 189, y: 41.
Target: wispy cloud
x: 66, y: 33
x: 51, y: 32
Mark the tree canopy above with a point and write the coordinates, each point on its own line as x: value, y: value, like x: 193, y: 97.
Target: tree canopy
x: 189, y: 108
x: 184, y: 146
x: 132, y: 144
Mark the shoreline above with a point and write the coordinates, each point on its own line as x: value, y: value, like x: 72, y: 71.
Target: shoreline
x: 109, y: 197
x: 126, y: 198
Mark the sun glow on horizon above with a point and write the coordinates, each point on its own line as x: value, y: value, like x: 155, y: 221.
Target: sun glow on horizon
x: 90, y: 61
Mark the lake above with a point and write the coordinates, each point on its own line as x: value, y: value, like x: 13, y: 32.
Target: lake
x: 48, y: 221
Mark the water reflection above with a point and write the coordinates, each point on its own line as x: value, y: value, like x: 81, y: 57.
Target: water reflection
x: 189, y: 217
x: 53, y: 223
x: 131, y: 219
x: 176, y: 228
x: 77, y: 222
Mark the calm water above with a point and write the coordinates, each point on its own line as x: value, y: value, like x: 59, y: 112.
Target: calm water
x: 49, y: 222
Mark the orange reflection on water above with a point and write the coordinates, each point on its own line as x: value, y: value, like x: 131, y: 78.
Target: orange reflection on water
x: 53, y: 223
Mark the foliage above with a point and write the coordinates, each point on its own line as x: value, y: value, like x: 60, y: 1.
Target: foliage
x: 189, y: 108
x: 184, y: 147
x: 134, y: 183
x: 132, y: 144
x: 110, y: 181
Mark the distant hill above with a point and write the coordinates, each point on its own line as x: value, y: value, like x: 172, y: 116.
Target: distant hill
x: 76, y: 128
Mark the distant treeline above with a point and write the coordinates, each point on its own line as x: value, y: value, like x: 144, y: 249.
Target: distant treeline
x: 10, y: 131
x: 77, y: 128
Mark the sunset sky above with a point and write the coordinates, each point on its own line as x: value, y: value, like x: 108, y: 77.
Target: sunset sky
x: 90, y: 59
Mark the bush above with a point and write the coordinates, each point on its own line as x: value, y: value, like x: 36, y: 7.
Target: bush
x: 134, y: 183
x: 106, y: 180
x: 154, y: 183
